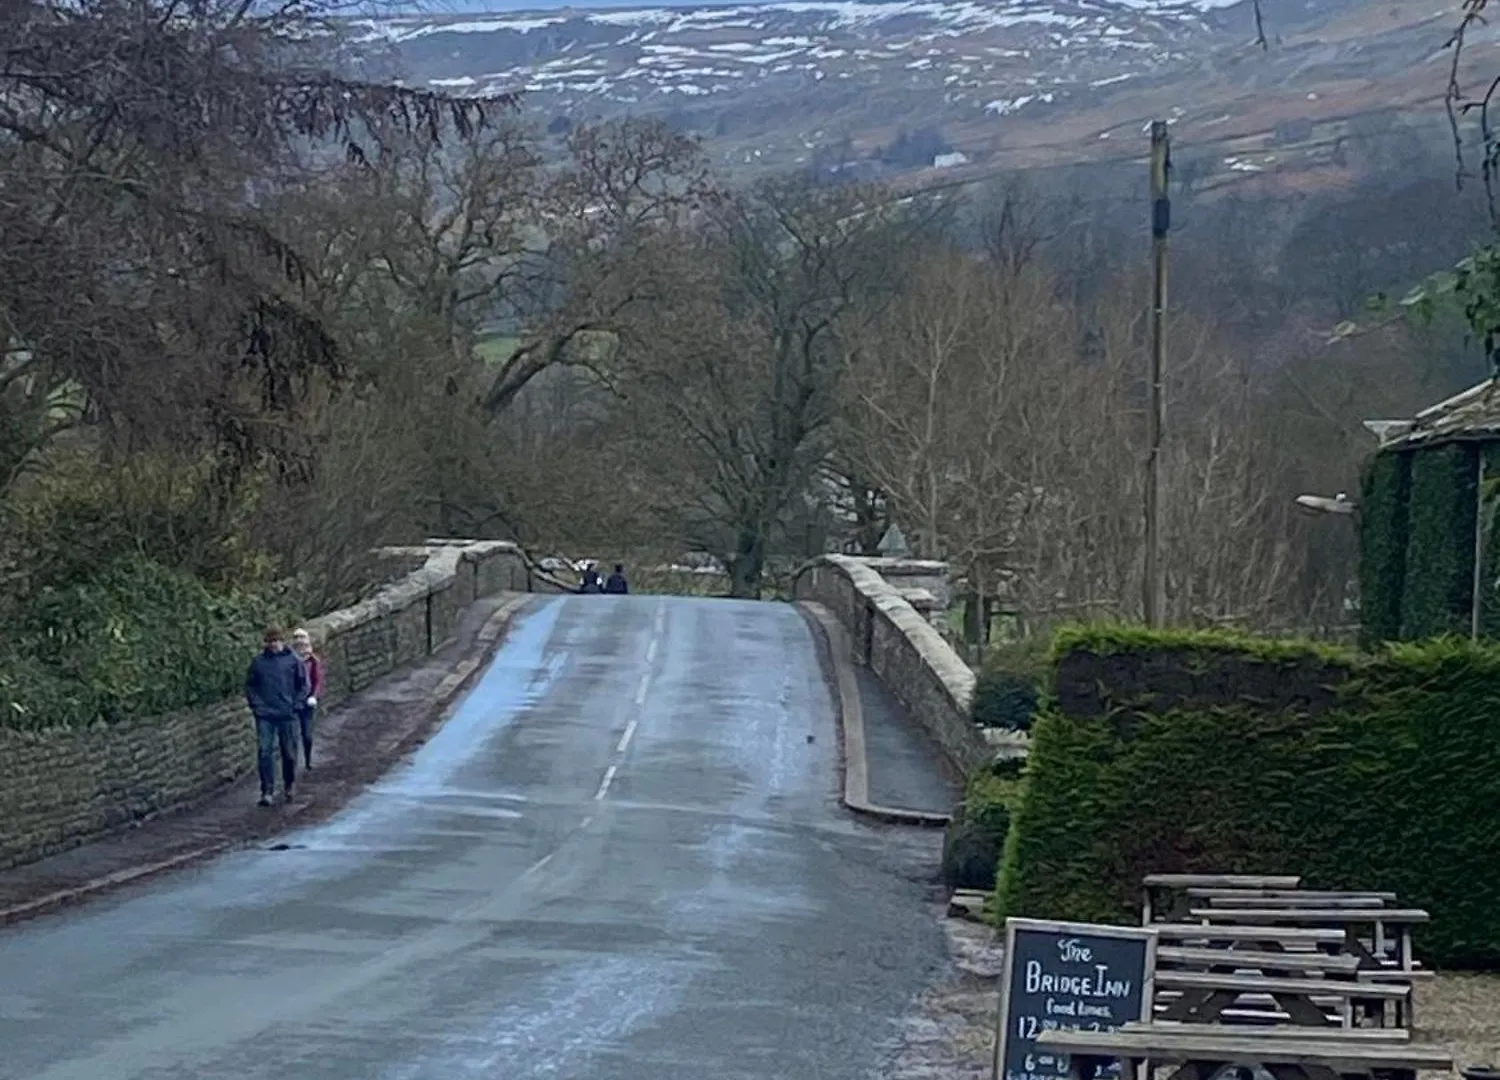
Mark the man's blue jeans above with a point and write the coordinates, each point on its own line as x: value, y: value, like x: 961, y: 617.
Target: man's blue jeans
x: 271, y: 732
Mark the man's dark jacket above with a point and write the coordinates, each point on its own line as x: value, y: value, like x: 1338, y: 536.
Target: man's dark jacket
x: 276, y: 685
x: 616, y: 584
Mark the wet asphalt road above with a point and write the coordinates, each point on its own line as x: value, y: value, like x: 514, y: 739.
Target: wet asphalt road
x: 620, y: 858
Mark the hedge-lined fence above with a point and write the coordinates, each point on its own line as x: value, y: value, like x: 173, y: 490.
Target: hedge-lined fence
x: 1205, y: 752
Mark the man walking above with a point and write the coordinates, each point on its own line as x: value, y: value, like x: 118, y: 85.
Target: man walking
x: 616, y: 582
x: 276, y: 688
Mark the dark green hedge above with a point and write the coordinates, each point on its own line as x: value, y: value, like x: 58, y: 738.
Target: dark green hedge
x: 1011, y: 684
x: 1440, y: 541
x: 1384, y: 491
x: 1386, y: 775
x: 976, y: 835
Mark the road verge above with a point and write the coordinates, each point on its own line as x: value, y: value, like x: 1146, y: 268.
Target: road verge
x: 838, y: 669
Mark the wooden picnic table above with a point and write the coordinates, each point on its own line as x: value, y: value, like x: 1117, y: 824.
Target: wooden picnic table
x: 1403, y: 919
x: 1200, y: 1056
x: 1375, y: 965
x: 1165, y: 885
x: 1222, y: 881
x: 1267, y: 962
x: 1261, y: 937
x: 1263, y: 903
x: 1297, y: 895
x: 1312, y: 1002
x: 1378, y: 1035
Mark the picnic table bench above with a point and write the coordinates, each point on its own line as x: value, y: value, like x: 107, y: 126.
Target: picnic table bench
x: 1163, y: 886
x: 1376, y: 964
x: 1200, y: 1056
x: 1206, y: 995
x: 1262, y: 937
x: 1372, y: 955
x: 1290, y: 894
x: 1379, y: 1035
x: 1266, y: 962
x: 1293, y: 901
x: 1222, y: 881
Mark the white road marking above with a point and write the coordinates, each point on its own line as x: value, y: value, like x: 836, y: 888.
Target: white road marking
x: 640, y: 692
x: 625, y: 738
x: 651, y: 651
x: 609, y: 778
x: 534, y: 867
x: 586, y: 822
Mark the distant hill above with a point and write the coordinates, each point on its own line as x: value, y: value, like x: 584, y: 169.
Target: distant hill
x: 953, y: 87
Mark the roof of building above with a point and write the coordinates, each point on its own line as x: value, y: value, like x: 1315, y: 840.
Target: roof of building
x: 1472, y: 414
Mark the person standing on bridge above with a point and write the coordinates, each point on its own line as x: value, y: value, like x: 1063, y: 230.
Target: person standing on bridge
x: 302, y: 645
x: 616, y: 582
x: 591, y: 582
x: 276, y: 687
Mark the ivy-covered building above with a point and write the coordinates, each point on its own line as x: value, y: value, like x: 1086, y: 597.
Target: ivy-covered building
x: 1422, y: 524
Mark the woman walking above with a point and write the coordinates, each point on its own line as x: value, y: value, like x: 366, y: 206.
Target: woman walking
x: 302, y: 645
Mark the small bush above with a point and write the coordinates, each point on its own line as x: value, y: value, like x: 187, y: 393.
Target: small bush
x: 1010, y: 685
x: 136, y: 639
x: 1008, y: 768
x: 976, y: 835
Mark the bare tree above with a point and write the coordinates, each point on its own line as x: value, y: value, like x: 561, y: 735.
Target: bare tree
x: 741, y: 378
x: 587, y: 273
x: 1003, y: 418
x: 143, y: 146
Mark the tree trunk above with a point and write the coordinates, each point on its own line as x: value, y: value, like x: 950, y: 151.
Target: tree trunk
x: 869, y: 523
x: 747, y: 565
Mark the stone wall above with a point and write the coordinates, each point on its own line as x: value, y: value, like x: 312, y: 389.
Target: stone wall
x: 62, y: 787
x: 902, y: 648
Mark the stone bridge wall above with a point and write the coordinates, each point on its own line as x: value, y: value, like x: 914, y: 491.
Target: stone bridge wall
x: 902, y: 648
x: 59, y: 788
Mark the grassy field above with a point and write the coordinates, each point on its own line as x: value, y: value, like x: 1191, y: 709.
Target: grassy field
x: 496, y: 350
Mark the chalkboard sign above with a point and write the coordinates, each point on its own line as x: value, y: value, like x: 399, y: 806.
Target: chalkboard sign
x: 1067, y: 975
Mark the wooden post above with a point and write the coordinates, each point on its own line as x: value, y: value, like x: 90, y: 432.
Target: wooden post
x: 1481, y: 531
x: 1153, y: 594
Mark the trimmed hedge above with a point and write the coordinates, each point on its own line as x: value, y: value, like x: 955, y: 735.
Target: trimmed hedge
x: 1439, y: 573
x: 1385, y: 491
x: 1221, y: 753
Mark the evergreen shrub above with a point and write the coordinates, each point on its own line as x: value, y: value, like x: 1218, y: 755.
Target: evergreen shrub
x: 1439, y: 575
x: 1265, y: 756
x: 976, y: 835
x: 1010, y: 684
x: 134, y: 639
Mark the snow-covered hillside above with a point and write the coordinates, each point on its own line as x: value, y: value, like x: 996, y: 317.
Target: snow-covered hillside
x: 789, y: 82
x: 1000, y: 56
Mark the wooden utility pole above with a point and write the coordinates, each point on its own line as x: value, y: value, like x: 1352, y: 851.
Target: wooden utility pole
x: 1153, y: 595
x: 1483, y: 509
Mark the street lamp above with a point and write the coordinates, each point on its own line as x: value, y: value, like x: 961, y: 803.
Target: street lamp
x: 1339, y: 504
